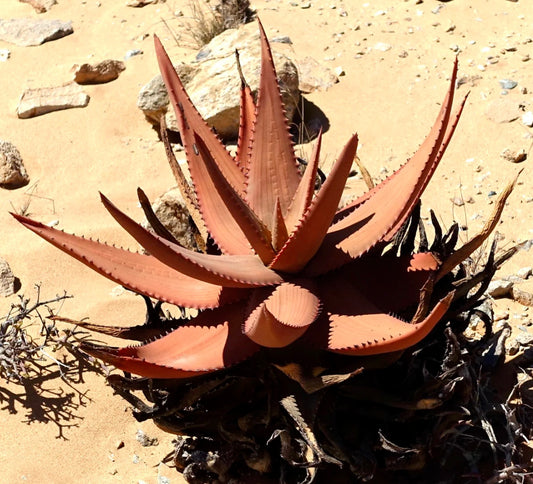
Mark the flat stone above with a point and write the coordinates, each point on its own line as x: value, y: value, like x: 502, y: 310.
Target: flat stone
x: 35, y: 102
x: 7, y: 279
x: 503, y: 110
x: 28, y: 31
x: 105, y: 71
x: 12, y: 171
x: 40, y: 6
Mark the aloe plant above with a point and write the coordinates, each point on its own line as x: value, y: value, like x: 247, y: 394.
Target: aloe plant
x: 289, y: 269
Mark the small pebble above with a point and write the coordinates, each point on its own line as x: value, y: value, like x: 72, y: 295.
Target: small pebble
x: 524, y: 272
x: 382, y: 46
x: 339, y: 71
x: 131, y: 53
x: 492, y: 193
x: 508, y: 83
x: 5, y: 54
x: 527, y: 118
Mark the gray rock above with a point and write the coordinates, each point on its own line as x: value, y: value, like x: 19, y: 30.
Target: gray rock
x: 503, y: 110
x: 215, y: 87
x: 7, y: 279
x: 172, y: 212
x: 313, y: 76
x: 132, y: 53
x: 500, y: 288
x: 508, y: 84
x: 524, y: 339
x: 144, y: 440
x: 105, y: 71
x: 153, y: 97
x: 40, y: 6
x: 12, y: 171
x: 35, y: 102
x: 28, y: 31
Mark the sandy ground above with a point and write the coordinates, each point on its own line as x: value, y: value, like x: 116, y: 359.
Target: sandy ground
x: 389, y: 97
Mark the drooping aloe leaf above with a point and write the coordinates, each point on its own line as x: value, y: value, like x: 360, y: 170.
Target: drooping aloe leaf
x: 241, y: 271
x: 140, y: 273
x: 211, y: 342
x: 273, y: 170
x: 307, y: 238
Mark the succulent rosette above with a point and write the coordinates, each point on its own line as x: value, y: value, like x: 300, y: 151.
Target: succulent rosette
x: 288, y: 266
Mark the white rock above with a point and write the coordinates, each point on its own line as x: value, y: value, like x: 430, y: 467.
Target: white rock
x: 527, y: 118
x: 35, y: 102
x: 27, y: 31
x: 382, y: 46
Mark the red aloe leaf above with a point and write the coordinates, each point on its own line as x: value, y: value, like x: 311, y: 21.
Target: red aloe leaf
x: 282, y: 315
x: 219, y: 220
x: 373, y: 333
x: 307, y: 238
x: 381, y: 214
x: 254, y: 230
x: 246, y: 122
x: 273, y: 170
x: 279, y: 230
x: 304, y: 193
x: 140, y: 273
x: 239, y: 271
x: 213, y: 341
x: 181, y: 103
